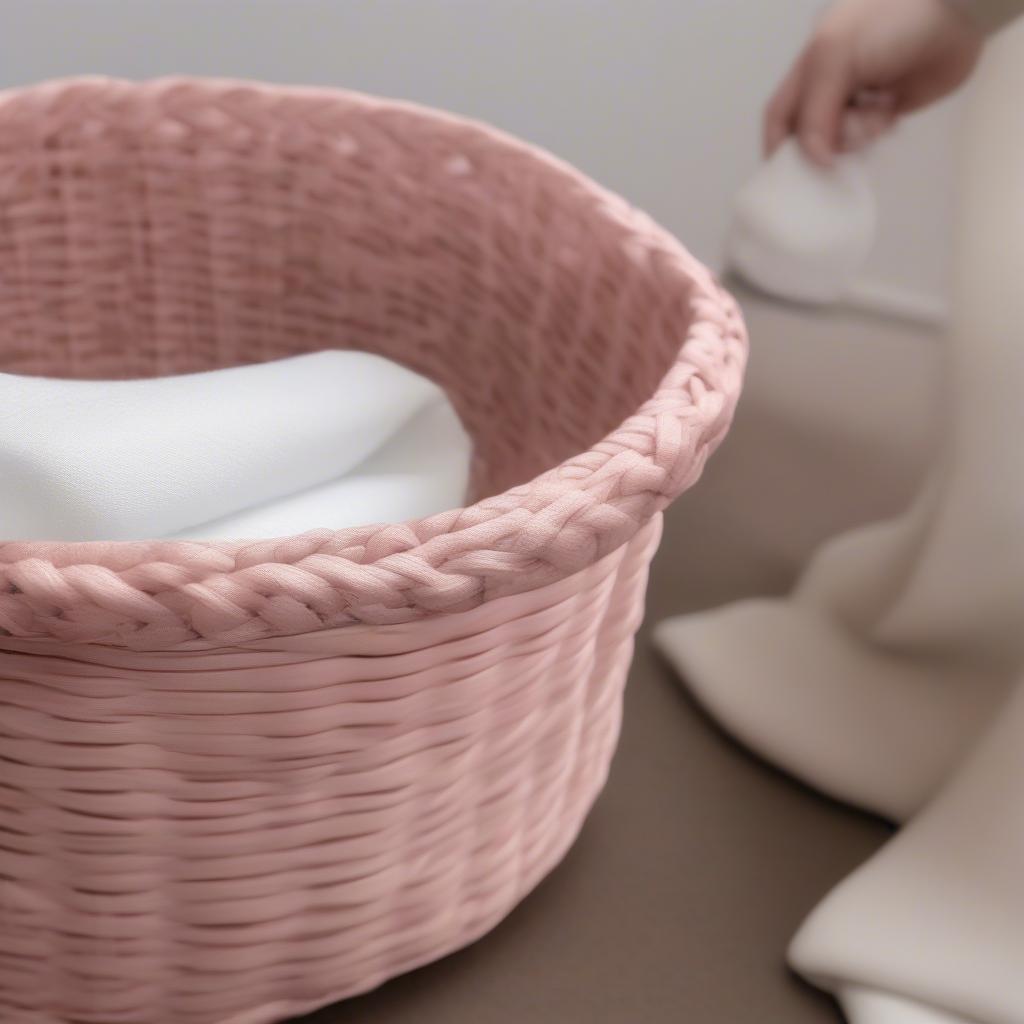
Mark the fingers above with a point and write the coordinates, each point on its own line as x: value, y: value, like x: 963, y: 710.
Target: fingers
x: 822, y: 102
x: 780, y: 113
x: 870, y: 113
x: 826, y: 89
x: 810, y: 101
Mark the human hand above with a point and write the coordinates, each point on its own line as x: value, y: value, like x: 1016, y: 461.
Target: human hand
x: 866, y: 63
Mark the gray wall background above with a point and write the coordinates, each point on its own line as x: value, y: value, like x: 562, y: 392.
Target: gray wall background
x: 658, y: 99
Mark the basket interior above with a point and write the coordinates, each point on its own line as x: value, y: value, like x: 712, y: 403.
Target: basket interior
x: 148, y: 232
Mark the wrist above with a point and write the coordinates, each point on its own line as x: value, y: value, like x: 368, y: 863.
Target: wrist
x: 987, y: 16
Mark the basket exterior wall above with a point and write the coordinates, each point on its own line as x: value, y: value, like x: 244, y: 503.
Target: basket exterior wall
x: 243, y: 834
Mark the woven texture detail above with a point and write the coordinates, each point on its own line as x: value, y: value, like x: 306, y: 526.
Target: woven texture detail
x: 180, y: 225
x: 241, y: 780
x: 236, y: 836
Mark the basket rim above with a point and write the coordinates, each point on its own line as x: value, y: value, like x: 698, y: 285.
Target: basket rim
x: 163, y: 593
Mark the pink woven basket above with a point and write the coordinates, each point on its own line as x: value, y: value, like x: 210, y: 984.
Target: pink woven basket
x: 239, y: 780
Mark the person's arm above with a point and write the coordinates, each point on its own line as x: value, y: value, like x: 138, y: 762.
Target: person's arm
x: 870, y: 61
x: 990, y: 15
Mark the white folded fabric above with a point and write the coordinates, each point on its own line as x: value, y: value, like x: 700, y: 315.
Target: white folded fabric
x: 937, y: 915
x: 267, y: 449
x: 423, y: 469
x: 802, y: 232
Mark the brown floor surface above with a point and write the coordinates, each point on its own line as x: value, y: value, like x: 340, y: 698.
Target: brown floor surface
x: 698, y: 861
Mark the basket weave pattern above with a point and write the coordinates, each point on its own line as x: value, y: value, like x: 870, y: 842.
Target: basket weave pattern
x: 241, y: 835
x: 241, y: 779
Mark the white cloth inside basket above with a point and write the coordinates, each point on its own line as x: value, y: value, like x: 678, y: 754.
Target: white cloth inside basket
x: 331, y: 439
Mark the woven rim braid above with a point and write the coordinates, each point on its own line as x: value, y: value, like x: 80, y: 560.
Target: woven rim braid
x: 181, y: 225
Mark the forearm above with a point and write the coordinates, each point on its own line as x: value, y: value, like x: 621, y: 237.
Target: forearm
x: 990, y: 15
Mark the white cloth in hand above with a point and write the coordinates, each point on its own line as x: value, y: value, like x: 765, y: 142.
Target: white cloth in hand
x: 801, y: 232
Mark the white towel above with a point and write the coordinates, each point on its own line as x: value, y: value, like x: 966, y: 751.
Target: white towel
x: 268, y: 449
x: 802, y: 232
x: 423, y: 469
